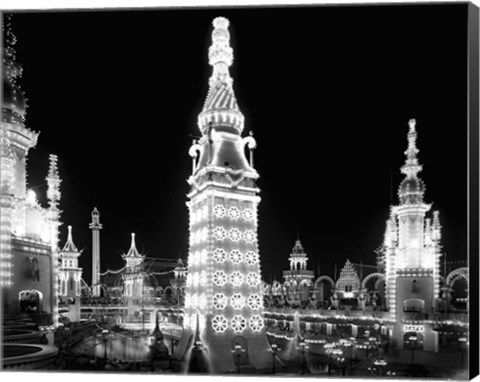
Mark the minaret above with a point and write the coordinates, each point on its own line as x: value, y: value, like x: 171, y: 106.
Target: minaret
x: 412, y: 255
x: 95, y: 226
x: 70, y: 277
x: 53, y: 197
x: 223, y: 287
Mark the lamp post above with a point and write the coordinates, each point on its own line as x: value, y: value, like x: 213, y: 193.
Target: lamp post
x: 302, y: 347
x: 329, y: 349
x: 151, y: 342
x: 463, y: 345
x: 274, y: 349
x: 238, y: 350
x: 105, y: 342
x: 413, y: 343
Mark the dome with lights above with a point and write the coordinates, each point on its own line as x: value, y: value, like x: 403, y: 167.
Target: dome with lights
x: 411, y: 186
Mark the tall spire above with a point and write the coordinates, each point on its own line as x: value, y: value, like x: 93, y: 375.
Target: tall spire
x: 412, y: 187
x: 53, y: 181
x: 69, y: 245
x: 411, y: 167
x: 133, y: 252
x: 220, y: 110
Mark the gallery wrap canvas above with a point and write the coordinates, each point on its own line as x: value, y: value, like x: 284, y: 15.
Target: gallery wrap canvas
x: 275, y: 191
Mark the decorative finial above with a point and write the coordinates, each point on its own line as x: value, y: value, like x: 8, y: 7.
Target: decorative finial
x: 70, y: 232
x: 133, y: 240
x: 412, y: 124
x: 411, y: 167
x: 220, y: 54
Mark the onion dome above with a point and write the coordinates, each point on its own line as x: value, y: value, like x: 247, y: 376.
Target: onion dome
x: 221, y: 110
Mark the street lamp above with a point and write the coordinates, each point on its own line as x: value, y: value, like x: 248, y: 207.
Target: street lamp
x: 413, y: 343
x: 105, y: 342
x: 238, y: 350
x: 151, y: 344
x: 381, y: 363
x: 274, y: 349
x: 463, y: 345
x: 302, y: 347
x: 329, y: 349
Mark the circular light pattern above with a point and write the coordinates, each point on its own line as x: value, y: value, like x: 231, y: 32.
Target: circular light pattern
x: 253, y: 279
x: 219, y: 323
x: 251, y: 258
x: 247, y: 214
x: 186, y: 319
x: 254, y: 301
x: 203, y: 256
x: 234, y: 234
x: 219, y: 278
x: 219, y: 255
x: 203, y: 278
x: 194, y: 300
x: 189, y: 279
x: 237, y: 301
x: 233, y: 213
x: 196, y: 279
x: 256, y: 323
x: 236, y: 256
x: 219, y: 233
x: 202, y: 301
x: 188, y: 300
x: 219, y: 211
x: 236, y: 278
x: 249, y: 236
x: 192, y: 238
x: 239, y: 324
x: 220, y: 301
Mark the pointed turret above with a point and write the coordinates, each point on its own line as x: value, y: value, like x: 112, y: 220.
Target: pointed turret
x: 133, y: 258
x: 53, y: 181
x: 412, y: 188
x: 69, y: 245
x: 220, y: 110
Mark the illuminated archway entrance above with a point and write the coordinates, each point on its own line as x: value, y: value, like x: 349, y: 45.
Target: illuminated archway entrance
x: 30, y: 301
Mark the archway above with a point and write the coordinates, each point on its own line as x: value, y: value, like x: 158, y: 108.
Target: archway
x: 30, y: 301
x: 321, y: 287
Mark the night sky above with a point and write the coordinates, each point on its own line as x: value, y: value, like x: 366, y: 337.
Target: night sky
x: 327, y: 90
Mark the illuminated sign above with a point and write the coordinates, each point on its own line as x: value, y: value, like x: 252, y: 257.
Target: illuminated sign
x: 413, y: 328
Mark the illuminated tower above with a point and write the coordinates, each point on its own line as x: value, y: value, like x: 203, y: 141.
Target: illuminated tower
x: 95, y: 226
x: 412, y: 256
x: 133, y: 278
x: 70, y: 277
x: 53, y: 197
x: 223, y: 286
x: 298, y: 275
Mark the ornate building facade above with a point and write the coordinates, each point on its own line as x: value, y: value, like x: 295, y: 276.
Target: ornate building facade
x: 28, y: 231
